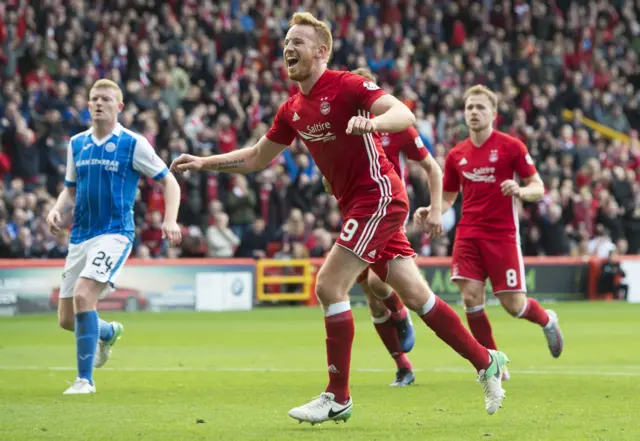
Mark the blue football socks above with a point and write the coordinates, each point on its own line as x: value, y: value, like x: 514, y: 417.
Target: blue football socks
x: 106, y: 330
x: 87, y: 334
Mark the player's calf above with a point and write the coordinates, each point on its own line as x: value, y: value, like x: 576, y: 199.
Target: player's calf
x: 519, y: 305
x: 66, y: 315
x: 473, y: 296
x: 513, y: 302
x: 335, y: 278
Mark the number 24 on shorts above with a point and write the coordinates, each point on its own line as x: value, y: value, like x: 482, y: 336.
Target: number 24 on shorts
x: 102, y: 261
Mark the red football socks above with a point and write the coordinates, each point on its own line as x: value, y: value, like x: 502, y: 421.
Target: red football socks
x: 389, y: 336
x: 444, y: 321
x: 481, y: 328
x: 340, y: 331
x: 395, y: 305
x: 534, y: 313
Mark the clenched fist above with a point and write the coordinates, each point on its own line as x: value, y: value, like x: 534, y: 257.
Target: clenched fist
x: 359, y: 125
x: 510, y: 188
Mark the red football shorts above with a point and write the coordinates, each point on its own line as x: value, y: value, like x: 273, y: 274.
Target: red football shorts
x: 499, y: 260
x: 374, y: 231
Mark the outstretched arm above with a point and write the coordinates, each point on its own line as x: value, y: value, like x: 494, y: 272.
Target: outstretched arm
x: 243, y: 161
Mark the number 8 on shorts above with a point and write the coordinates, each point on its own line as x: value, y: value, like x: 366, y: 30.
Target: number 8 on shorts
x: 512, y: 278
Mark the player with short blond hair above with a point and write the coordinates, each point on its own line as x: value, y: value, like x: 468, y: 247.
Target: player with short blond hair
x: 486, y: 168
x: 332, y: 115
x: 390, y: 317
x: 104, y: 165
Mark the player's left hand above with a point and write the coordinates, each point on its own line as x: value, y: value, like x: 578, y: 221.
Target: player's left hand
x: 510, y: 188
x: 171, y: 231
x: 359, y: 125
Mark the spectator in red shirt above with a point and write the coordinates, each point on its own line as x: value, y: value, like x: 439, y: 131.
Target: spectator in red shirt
x: 152, y: 235
x: 227, y: 135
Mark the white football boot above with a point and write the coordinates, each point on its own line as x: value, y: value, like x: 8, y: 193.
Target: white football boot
x: 80, y: 387
x: 321, y: 409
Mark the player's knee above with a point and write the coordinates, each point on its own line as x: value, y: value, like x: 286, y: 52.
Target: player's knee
x: 86, y: 294
x: 328, y: 291
x: 472, y: 295
x: 513, y: 303
x: 415, y: 296
x: 416, y: 303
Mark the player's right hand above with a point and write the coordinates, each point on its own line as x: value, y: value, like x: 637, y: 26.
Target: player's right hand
x: 186, y: 162
x: 54, y: 219
x: 359, y: 125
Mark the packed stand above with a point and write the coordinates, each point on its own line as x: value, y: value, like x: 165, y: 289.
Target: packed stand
x: 207, y: 77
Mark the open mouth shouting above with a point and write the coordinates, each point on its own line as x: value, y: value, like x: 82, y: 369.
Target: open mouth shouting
x: 292, y: 60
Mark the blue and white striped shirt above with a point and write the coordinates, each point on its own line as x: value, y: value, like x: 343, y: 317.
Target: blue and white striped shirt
x: 105, y: 173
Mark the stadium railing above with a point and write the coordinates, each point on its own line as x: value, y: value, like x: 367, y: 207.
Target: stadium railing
x: 605, y: 131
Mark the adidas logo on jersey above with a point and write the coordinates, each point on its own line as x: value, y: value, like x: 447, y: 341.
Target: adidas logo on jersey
x: 295, y: 116
x: 372, y: 254
x: 463, y: 161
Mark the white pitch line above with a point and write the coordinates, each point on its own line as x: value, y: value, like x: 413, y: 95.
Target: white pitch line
x: 445, y: 370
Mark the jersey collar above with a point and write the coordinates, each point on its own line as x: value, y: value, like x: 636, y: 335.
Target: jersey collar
x: 117, y: 130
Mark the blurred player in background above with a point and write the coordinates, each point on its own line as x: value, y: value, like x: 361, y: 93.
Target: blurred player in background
x: 104, y: 165
x: 485, y: 167
x: 389, y: 315
x: 331, y: 115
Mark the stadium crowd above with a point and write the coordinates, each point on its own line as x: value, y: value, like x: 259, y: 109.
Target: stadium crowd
x: 207, y: 76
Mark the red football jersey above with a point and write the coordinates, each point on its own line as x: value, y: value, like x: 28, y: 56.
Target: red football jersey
x: 479, y: 171
x: 403, y: 144
x: 355, y: 165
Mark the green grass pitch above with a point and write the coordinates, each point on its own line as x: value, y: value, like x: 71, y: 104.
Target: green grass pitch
x: 234, y: 376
